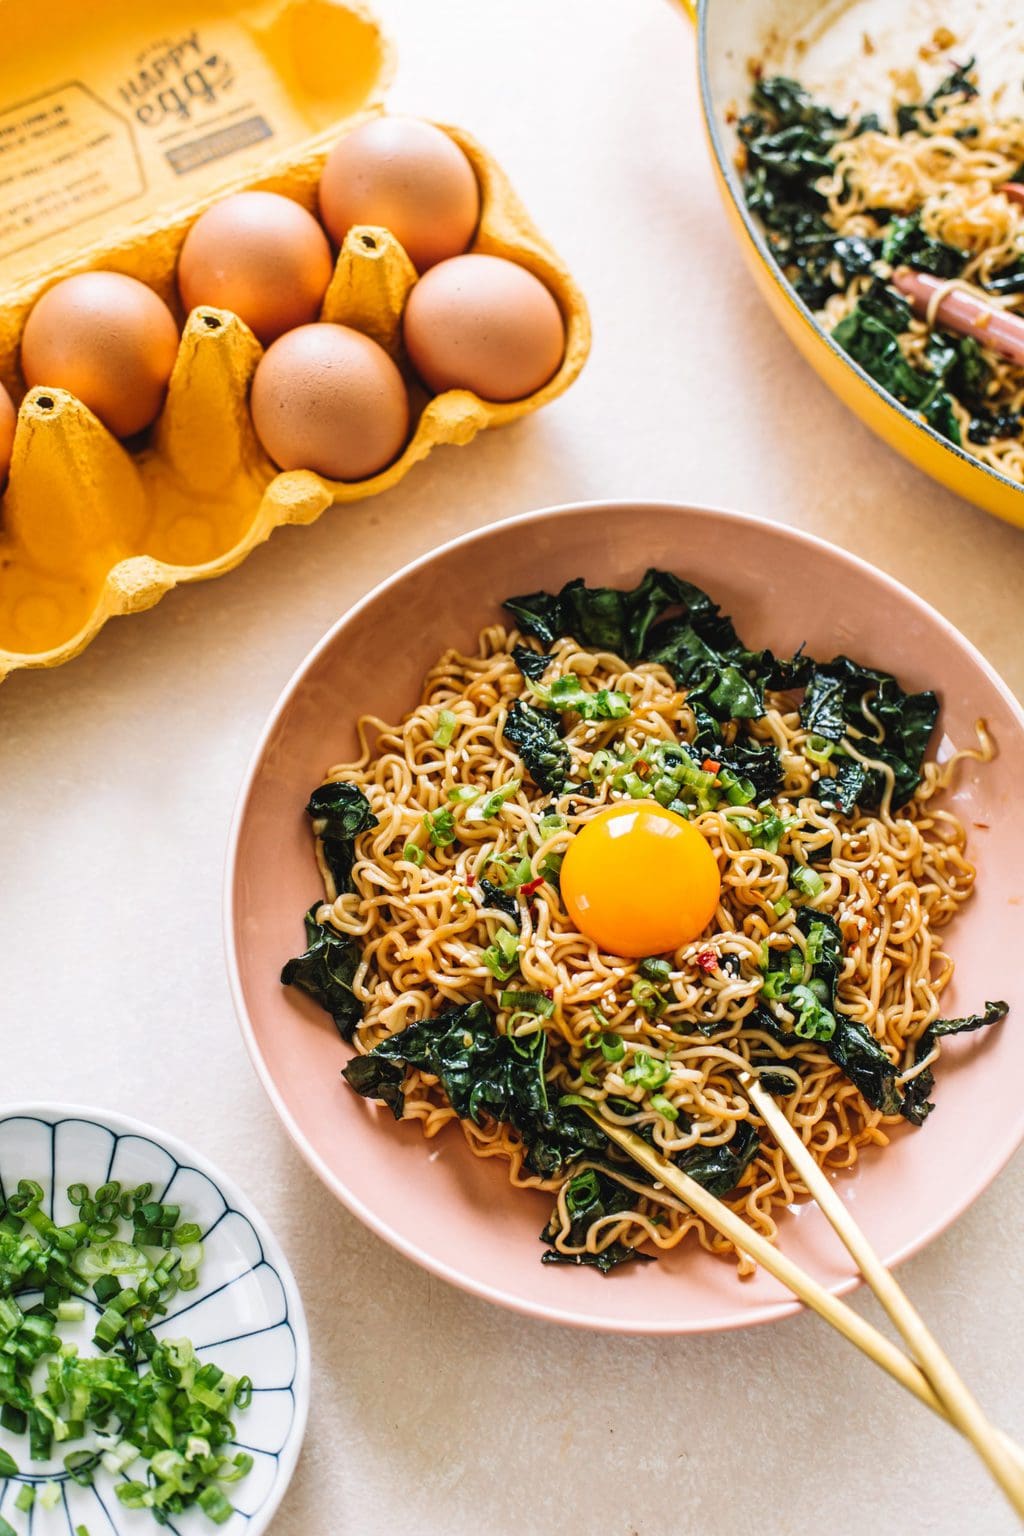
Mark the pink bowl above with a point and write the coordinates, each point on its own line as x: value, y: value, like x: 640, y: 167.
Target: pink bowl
x: 456, y: 1214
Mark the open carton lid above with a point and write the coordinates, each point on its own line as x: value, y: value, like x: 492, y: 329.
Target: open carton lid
x: 116, y: 116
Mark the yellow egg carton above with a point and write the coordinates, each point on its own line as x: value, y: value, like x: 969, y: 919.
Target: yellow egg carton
x: 118, y: 126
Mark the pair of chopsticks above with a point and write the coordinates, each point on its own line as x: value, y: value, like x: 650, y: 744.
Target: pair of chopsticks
x: 926, y: 1371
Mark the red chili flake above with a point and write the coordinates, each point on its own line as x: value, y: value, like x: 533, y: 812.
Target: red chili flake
x: 533, y: 885
x: 471, y: 878
x: 707, y: 960
x: 710, y: 766
x: 549, y: 994
x: 641, y: 768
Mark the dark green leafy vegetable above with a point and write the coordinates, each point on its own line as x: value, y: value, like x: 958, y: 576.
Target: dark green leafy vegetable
x: 789, y: 142
x: 842, y: 791
x: 875, y: 346
x: 850, y: 1045
x: 591, y: 1195
x: 532, y: 664
x: 956, y: 86
x: 842, y: 694
x: 603, y: 617
x: 720, y: 1169
x: 499, y: 897
x: 906, y: 244
x: 536, y: 735
x: 725, y: 680
x: 482, y: 1074
x: 697, y: 644
x: 326, y: 971
x: 986, y: 425
x: 1006, y: 280
x: 339, y: 812
x: 916, y: 1106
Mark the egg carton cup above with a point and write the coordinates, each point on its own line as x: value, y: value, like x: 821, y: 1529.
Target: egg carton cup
x: 91, y: 528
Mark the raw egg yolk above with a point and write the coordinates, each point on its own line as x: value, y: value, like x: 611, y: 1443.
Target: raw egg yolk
x: 640, y: 880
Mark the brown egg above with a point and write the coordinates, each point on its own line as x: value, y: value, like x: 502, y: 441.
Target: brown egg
x: 260, y: 255
x: 407, y: 176
x: 109, y: 340
x: 485, y: 324
x: 8, y: 422
x: 327, y: 398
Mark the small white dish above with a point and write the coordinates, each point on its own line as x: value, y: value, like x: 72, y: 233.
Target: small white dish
x: 245, y: 1314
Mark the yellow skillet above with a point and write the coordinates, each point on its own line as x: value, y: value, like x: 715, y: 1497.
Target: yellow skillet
x: 729, y: 34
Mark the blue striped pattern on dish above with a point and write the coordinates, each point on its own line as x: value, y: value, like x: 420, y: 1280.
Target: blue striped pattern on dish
x: 245, y: 1314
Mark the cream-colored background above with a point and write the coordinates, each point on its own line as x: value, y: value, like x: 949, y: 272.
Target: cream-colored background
x: 434, y: 1414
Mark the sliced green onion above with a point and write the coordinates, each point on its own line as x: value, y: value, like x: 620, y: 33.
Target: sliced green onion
x: 8, y: 1465
x: 502, y: 957
x: 587, y: 1066
x: 213, y: 1504
x: 463, y: 794
x: 490, y: 805
x: 646, y: 1072
x: 775, y: 985
x: 26, y: 1498
x: 738, y: 791
x: 806, y: 880
x: 111, y: 1258
x: 440, y: 827
x: 536, y: 1004
x: 817, y: 749
x: 769, y: 831
x: 566, y: 693
x: 602, y: 765
x: 6, y: 1529
x: 519, y: 873
x: 551, y: 822
x: 815, y: 943
x: 581, y: 1191
x: 782, y: 906
x: 550, y: 867
x: 613, y: 1047
x: 445, y: 728
x: 648, y: 999
x: 813, y: 1021
x: 653, y: 969
x: 70, y: 1312
x: 49, y: 1495
x: 414, y: 855
x: 664, y: 1106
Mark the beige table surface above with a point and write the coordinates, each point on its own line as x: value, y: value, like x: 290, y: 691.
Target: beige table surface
x: 432, y: 1412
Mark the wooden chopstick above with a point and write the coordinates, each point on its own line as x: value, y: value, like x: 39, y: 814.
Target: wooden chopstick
x: 961, y: 1407
x: 811, y: 1292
